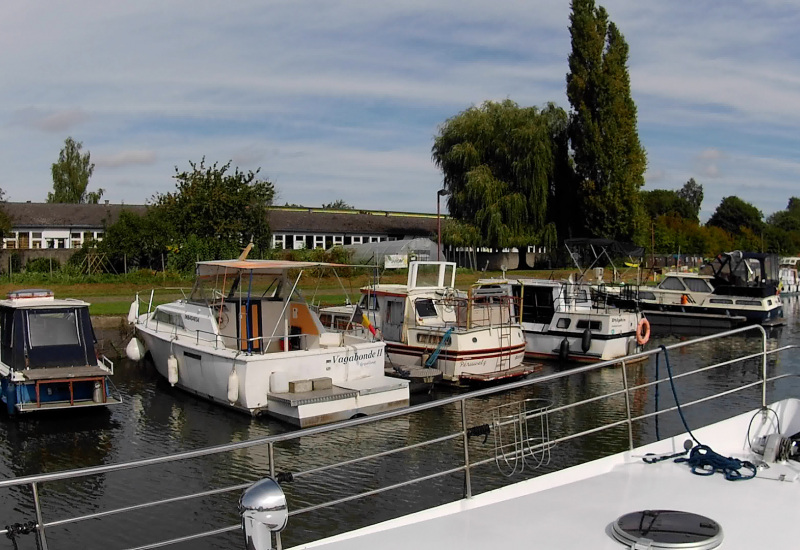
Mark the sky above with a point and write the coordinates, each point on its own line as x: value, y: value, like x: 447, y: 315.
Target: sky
x: 342, y: 99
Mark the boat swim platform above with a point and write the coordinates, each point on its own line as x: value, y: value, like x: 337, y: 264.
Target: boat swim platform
x: 496, y: 376
x: 58, y: 405
x: 343, y: 401
x: 87, y: 371
x: 344, y: 390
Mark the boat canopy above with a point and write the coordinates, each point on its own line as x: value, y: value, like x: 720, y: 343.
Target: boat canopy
x: 268, y: 267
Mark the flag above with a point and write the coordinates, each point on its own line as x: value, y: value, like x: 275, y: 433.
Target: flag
x: 364, y: 319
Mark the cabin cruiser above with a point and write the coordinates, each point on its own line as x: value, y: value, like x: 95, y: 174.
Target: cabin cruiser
x: 737, y: 288
x: 47, y: 355
x: 562, y: 321
x: 789, y: 279
x: 246, y: 338
x: 427, y: 323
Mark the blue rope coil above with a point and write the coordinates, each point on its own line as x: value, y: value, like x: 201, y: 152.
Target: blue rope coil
x: 705, y: 462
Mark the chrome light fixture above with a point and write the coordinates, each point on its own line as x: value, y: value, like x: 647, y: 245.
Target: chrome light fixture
x: 263, y: 510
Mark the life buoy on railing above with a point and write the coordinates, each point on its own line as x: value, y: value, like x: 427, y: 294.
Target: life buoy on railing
x: 643, y: 332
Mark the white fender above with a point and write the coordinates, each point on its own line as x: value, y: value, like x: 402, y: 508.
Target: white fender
x: 133, y: 311
x: 233, y: 386
x: 134, y: 350
x: 172, y: 370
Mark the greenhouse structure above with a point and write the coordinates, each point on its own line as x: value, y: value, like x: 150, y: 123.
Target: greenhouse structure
x: 395, y: 254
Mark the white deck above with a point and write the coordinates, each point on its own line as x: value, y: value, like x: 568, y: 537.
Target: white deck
x: 574, y: 508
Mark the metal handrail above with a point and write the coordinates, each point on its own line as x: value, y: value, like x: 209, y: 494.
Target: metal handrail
x: 35, y: 481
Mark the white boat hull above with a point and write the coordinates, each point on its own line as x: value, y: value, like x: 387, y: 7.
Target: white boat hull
x: 205, y: 371
x: 615, y: 339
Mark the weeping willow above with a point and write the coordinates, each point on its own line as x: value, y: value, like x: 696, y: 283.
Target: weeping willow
x: 499, y: 163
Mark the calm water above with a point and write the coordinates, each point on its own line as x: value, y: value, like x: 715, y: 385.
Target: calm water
x: 155, y: 420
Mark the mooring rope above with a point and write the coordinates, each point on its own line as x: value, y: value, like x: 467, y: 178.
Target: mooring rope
x: 702, y: 459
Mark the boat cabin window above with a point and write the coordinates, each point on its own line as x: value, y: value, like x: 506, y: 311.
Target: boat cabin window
x: 644, y: 295
x: 581, y: 296
x: 563, y: 322
x: 425, y: 308
x: 672, y: 283
x: 748, y: 302
x: 53, y: 328
x: 369, y: 301
x: 326, y: 320
x: 591, y: 325
x: 6, y: 332
x: 169, y: 318
x: 537, y: 304
x: 720, y: 301
x: 698, y: 285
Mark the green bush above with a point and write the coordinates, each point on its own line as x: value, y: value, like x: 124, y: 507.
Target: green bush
x: 42, y: 265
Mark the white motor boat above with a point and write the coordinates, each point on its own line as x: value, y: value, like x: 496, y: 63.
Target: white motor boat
x: 246, y: 338
x: 562, y: 321
x: 427, y: 323
x: 684, y: 299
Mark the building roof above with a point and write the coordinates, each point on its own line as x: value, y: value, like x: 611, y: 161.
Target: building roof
x: 281, y: 219
x: 59, y: 215
x: 311, y: 220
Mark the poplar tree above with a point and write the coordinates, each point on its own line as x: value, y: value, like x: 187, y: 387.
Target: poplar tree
x: 71, y: 176
x: 609, y: 161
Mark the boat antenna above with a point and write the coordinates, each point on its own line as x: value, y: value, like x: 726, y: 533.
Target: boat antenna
x: 246, y: 251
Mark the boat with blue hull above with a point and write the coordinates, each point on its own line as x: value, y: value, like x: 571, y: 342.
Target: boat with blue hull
x: 47, y: 355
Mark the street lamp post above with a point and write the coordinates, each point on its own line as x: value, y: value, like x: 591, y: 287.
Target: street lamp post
x: 440, y: 193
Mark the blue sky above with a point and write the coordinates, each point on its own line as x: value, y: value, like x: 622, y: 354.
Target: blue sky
x: 342, y: 99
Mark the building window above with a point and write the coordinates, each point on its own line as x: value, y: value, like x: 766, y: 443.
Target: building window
x: 358, y: 239
x: 299, y: 242
x: 279, y: 241
x: 75, y: 241
x: 11, y: 240
x: 338, y: 241
x: 319, y: 241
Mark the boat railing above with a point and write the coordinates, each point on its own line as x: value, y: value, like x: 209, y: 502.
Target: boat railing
x: 154, y: 297
x: 528, y: 423
x: 107, y: 363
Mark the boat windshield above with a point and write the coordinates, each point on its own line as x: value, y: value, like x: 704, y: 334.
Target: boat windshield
x: 57, y: 327
x: 209, y: 289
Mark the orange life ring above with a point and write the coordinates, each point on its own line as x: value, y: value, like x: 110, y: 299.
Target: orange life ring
x: 643, y: 332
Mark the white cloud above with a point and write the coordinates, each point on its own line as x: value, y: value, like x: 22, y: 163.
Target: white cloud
x: 126, y: 158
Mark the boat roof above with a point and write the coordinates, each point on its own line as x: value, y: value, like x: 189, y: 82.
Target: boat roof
x: 687, y: 274
x: 39, y: 298
x: 271, y: 267
x: 525, y: 282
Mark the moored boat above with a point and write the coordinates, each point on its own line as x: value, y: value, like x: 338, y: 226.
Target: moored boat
x: 428, y: 324
x: 789, y: 278
x: 737, y: 288
x: 47, y: 355
x: 562, y: 321
x: 245, y: 338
